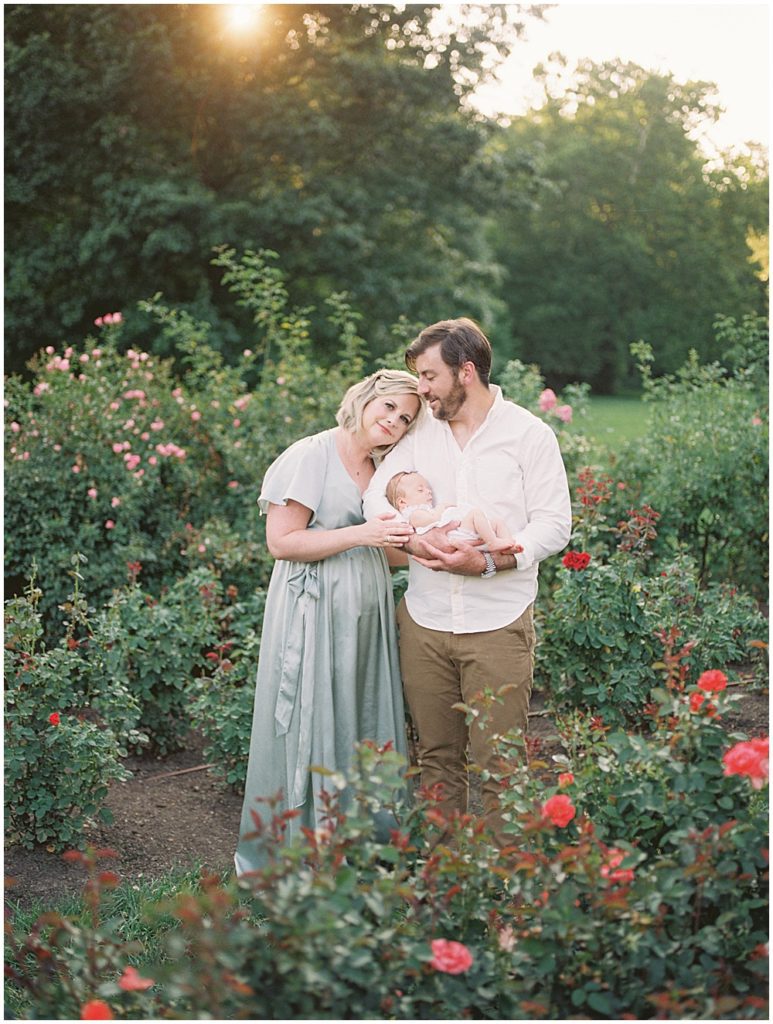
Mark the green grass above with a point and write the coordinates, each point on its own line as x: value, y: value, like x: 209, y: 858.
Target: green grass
x: 613, y: 420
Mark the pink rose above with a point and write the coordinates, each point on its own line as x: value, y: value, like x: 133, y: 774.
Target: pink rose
x: 546, y: 400
x: 564, y: 413
x: 612, y: 870
x: 109, y: 524
x: 195, y: 415
x: 450, y: 957
x: 749, y: 758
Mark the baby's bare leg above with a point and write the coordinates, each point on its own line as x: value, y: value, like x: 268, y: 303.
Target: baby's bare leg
x: 496, y: 534
x: 478, y: 522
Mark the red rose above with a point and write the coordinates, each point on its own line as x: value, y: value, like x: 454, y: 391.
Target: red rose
x: 576, y: 560
x: 450, y: 957
x: 559, y: 809
x: 96, y: 1009
x: 696, y: 699
x: 565, y: 779
x: 712, y: 681
x: 131, y: 981
x: 54, y: 718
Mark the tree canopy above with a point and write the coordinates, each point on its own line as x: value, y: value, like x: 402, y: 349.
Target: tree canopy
x: 631, y: 236
x: 342, y: 137
x: 140, y: 137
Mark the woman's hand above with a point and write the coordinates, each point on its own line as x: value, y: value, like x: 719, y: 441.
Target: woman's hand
x: 386, y: 530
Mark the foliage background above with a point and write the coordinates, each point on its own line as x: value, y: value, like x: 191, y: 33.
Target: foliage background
x: 139, y: 137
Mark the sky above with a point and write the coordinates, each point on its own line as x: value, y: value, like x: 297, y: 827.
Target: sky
x: 728, y: 44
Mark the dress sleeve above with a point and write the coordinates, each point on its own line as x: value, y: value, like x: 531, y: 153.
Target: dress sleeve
x: 297, y: 475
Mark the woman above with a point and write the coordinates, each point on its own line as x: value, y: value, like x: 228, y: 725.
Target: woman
x: 328, y: 672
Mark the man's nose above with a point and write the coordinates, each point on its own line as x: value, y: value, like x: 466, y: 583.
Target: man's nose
x: 423, y: 387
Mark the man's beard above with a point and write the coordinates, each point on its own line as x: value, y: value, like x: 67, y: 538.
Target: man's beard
x: 449, y: 406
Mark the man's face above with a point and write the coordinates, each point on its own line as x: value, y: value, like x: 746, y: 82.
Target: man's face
x: 439, y: 384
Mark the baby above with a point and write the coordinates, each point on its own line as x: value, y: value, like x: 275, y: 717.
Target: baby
x: 412, y: 496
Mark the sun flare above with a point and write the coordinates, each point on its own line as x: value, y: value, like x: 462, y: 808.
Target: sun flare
x: 241, y: 18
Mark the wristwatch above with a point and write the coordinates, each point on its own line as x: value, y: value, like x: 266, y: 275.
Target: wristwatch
x: 491, y: 566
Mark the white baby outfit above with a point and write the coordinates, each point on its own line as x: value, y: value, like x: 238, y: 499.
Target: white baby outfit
x: 451, y: 513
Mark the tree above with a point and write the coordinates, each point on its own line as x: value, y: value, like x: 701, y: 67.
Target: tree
x: 138, y: 137
x: 635, y: 237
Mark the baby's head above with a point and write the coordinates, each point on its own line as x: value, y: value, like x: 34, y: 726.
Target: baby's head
x: 409, y: 488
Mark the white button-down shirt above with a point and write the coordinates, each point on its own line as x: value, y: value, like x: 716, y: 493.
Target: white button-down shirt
x: 511, y: 468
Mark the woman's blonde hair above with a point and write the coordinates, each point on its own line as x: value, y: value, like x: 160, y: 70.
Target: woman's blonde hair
x: 377, y: 385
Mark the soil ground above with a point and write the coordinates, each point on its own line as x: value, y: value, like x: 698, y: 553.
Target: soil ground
x: 173, y: 813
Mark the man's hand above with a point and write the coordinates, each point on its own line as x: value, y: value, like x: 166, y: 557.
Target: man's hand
x: 433, y: 540
x: 462, y: 558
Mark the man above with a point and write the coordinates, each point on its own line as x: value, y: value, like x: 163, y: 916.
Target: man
x: 466, y: 621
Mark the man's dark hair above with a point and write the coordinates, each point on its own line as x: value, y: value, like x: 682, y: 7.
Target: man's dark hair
x: 461, y: 341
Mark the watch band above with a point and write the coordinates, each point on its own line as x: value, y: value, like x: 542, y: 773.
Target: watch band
x: 491, y: 566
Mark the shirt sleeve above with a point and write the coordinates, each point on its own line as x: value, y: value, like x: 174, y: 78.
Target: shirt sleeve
x: 548, y: 504
x: 297, y: 475
x: 399, y: 460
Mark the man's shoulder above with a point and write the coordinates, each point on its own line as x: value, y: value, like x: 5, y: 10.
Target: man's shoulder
x: 520, y: 417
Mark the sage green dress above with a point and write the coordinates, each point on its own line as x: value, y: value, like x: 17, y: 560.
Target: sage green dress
x: 328, y: 671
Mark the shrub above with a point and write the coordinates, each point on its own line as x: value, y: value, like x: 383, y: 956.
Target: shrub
x: 703, y: 462
x: 130, y: 458
x: 659, y: 784
x: 68, y: 723
x: 572, y: 920
x: 222, y: 704
x: 158, y: 648
x: 601, y: 633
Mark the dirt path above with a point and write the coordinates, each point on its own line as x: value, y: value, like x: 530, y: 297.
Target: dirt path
x: 165, y: 820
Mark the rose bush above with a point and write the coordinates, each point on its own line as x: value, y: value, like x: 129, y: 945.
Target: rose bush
x: 130, y: 458
x: 340, y: 926
x: 58, y: 763
x: 600, y: 631
x: 708, y: 426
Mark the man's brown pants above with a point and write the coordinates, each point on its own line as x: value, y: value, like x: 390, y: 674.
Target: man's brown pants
x: 442, y: 669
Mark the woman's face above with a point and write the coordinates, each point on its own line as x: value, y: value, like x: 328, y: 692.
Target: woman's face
x: 386, y: 418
